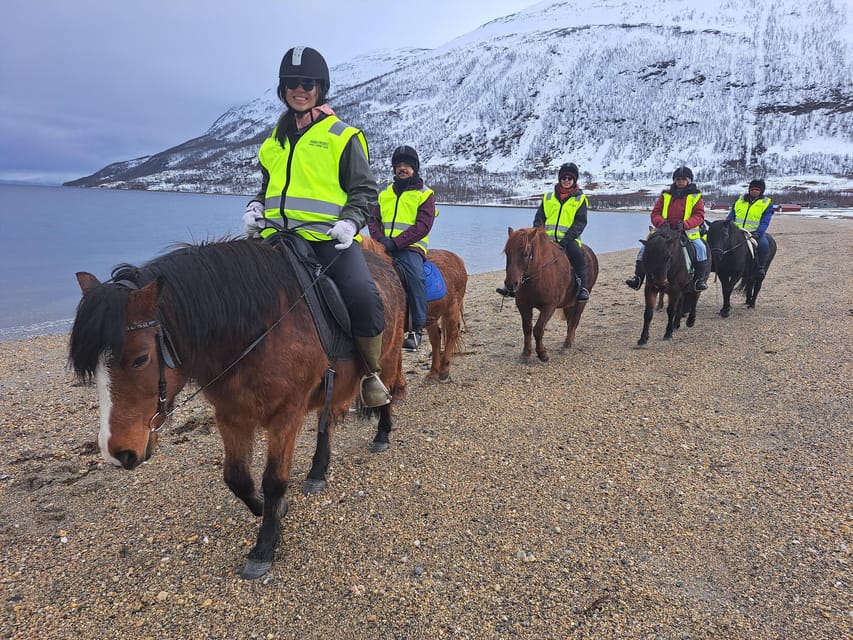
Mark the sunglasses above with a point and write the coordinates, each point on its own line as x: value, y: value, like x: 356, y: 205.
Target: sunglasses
x: 307, y: 83
x: 566, y: 178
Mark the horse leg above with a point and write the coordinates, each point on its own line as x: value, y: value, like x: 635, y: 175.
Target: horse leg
x: 237, y: 441
x: 754, y: 286
x: 727, y: 283
x: 434, y: 333
x: 315, y: 482
x: 573, y: 318
x: 527, y: 329
x: 382, y: 439
x: 451, y: 339
x: 280, y: 444
x: 673, y: 313
x: 692, y: 300
x: 539, y: 331
x: 648, y: 313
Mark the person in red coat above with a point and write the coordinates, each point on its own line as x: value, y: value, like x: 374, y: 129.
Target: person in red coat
x: 681, y: 208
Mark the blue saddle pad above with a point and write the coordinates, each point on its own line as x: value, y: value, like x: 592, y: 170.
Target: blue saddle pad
x: 435, y: 286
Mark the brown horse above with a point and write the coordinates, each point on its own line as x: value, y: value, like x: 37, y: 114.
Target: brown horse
x: 229, y: 316
x: 540, y: 276
x: 445, y: 314
x: 667, y: 273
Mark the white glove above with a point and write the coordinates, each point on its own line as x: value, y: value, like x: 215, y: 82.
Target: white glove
x: 343, y: 232
x: 253, y: 219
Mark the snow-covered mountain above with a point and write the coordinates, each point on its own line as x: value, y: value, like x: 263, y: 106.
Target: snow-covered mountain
x: 627, y: 90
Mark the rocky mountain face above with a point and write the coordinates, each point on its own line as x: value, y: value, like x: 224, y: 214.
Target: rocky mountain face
x: 627, y: 91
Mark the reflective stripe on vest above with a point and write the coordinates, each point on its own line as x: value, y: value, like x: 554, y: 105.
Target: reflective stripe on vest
x: 748, y: 214
x: 692, y: 199
x: 401, y: 212
x: 559, y: 216
x: 303, y: 187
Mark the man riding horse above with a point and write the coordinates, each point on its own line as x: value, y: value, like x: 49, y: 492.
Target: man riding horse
x: 752, y: 213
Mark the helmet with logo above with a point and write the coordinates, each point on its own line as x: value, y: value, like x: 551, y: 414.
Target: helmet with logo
x: 407, y: 154
x: 304, y: 62
x: 682, y: 172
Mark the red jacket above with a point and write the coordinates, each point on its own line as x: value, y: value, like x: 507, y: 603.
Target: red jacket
x: 676, y: 211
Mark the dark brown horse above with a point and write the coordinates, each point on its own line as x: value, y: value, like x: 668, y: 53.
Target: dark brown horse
x: 540, y: 276
x: 734, y: 264
x: 666, y: 272
x: 445, y: 314
x: 229, y: 316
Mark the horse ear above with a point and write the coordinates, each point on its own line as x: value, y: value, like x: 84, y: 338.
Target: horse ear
x: 86, y: 281
x: 509, y: 231
x: 643, y: 241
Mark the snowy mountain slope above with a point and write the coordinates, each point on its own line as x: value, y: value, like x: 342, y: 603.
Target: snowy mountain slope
x: 626, y: 90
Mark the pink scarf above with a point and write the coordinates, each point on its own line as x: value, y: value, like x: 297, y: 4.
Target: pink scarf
x: 307, y: 118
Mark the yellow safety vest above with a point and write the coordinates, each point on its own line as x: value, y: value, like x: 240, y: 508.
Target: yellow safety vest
x: 692, y: 199
x: 304, y: 189
x: 748, y: 214
x: 400, y: 212
x: 559, y: 216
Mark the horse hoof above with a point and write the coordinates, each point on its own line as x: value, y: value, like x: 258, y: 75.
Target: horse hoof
x: 310, y: 485
x: 642, y: 342
x: 669, y: 337
x: 691, y: 322
x: 543, y: 357
x: 255, y: 569
x: 725, y: 312
x: 444, y: 379
x: 378, y: 447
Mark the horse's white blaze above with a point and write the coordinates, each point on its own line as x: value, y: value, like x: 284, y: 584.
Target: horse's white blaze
x: 105, y: 406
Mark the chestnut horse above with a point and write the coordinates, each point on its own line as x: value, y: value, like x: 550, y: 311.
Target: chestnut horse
x: 540, y: 276
x: 229, y: 316
x: 667, y: 273
x: 733, y: 262
x: 445, y: 314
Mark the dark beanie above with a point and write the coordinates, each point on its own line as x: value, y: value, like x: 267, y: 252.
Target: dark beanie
x: 758, y: 182
x: 570, y: 168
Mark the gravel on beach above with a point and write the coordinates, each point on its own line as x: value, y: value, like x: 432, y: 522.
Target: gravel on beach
x: 695, y: 488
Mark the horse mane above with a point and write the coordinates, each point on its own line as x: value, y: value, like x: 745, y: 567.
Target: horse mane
x: 226, y: 291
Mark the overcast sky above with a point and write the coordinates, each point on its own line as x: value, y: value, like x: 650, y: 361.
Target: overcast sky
x: 84, y: 83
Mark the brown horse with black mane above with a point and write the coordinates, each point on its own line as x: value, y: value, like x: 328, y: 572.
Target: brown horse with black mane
x: 444, y: 315
x: 229, y: 316
x: 539, y: 275
x: 667, y: 273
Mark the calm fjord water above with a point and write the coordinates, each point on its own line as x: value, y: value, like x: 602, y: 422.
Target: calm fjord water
x: 49, y: 233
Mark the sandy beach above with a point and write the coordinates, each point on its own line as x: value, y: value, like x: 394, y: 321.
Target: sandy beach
x: 695, y: 488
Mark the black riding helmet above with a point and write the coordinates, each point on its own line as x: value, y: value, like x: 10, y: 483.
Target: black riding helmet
x: 407, y: 154
x: 682, y: 172
x: 569, y: 168
x: 304, y: 62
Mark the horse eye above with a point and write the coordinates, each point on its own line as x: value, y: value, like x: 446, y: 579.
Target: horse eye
x: 141, y: 360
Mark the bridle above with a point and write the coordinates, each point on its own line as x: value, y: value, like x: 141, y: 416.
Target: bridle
x: 527, y: 277
x: 166, y: 357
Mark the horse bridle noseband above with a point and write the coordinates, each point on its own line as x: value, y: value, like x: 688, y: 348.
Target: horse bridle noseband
x: 526, y: 277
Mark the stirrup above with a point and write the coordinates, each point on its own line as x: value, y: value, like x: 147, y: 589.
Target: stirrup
x: 373, y: 392
x: 635, y: 283
x: 583, y: 294
x: 700, y: 285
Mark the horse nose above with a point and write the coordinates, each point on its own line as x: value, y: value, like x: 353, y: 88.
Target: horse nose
x: 128, y: 459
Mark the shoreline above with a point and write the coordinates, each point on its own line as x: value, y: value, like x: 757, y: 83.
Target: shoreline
x: 696, y: 488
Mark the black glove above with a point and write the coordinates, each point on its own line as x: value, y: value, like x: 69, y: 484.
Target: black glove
x: 388, y: 243
x: 755, y: 235
x: 681, y: 226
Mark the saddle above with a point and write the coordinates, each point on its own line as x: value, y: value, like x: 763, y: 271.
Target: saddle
x: 321, y: 294
x: 436, y: 288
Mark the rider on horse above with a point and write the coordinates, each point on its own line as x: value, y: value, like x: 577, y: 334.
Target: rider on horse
x: 317, y: 181
x: 680, y: 207
x: 401, y: 221
x: 752, y: 213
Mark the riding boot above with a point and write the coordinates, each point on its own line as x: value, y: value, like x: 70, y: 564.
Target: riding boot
x: 583, y: 285
x: 374, y: 393
x: 506, y: 293
x: 639, y: 275
x: 700, y: 274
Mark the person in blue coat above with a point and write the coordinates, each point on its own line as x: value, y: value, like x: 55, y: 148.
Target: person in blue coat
x: 752, y: 213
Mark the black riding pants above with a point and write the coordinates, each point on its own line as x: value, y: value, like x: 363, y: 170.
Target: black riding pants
x: 575, y: 254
